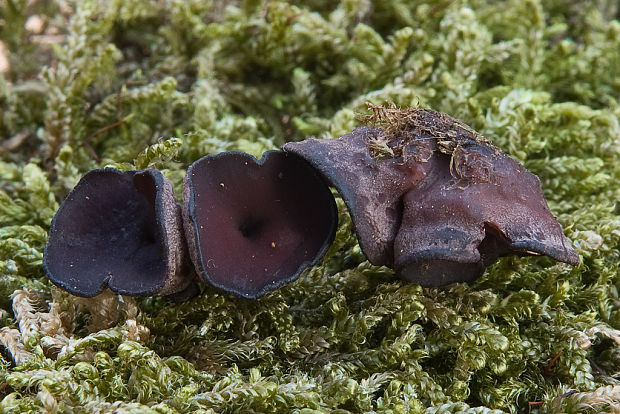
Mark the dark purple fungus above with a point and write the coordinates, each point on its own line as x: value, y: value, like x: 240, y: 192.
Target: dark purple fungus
x: 255, y: 225
x: 120, y: 229
x: 433, y: 199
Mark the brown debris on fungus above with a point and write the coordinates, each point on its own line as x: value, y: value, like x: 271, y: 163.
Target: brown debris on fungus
x: 120, y: 229
x: 255, y: 225
x: 433, y: 199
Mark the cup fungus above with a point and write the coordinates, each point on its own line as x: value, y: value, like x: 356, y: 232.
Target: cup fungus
x: 433, y: 199
x: 255, y: 225
x: 121, y: 229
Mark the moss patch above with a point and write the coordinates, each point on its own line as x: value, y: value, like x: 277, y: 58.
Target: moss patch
x: 138, y: 83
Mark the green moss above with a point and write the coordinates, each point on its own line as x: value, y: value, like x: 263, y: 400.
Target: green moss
x: 141, y: 83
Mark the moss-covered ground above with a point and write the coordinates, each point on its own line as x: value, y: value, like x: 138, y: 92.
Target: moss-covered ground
x: 160, y: 83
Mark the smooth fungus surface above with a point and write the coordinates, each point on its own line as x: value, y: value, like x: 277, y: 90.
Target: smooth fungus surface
x: 120, y: 229
x: 254, y: 225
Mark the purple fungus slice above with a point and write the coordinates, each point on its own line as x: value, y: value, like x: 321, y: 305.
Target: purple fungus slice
x: 255, y: 225
x: 433, y: 199
x: 120, y: 229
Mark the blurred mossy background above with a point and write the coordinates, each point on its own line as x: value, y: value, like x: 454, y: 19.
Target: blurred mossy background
x: 160, y: 83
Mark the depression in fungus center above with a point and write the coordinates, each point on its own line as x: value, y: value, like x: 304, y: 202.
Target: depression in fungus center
x: 256, y: 224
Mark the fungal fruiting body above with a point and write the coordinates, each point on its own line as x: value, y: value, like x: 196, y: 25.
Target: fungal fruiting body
x: 255, y: 225
x: 120, y: 229
x: 433, y: 199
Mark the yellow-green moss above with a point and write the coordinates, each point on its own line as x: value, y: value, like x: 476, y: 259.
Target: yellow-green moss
x: 146, y: 83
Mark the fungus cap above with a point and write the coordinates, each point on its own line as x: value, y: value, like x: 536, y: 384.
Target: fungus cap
x: 120, y: 229
x: 433, y: 199
x: 255, y: 225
